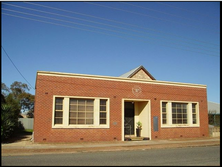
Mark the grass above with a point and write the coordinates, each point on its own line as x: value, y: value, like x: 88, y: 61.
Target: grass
x: 28, y: 130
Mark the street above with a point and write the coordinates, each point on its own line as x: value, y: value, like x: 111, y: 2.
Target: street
x: 189, y: 156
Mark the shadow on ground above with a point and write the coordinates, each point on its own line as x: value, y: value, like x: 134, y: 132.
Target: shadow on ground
x: 18, y: 137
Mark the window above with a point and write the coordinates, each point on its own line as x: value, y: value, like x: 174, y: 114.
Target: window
x: 194, y: 113
x: 164, y: 113
x: 80, y: 112
x: 58, y: 110
x: 102, y: 113
x: 179, y: 114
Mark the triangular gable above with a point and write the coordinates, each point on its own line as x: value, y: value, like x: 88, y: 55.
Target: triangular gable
x: 140, y: 73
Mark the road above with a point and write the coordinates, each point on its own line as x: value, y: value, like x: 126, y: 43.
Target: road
x: 189, y: 156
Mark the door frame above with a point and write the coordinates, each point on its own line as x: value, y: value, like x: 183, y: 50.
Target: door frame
x: 146, y: 111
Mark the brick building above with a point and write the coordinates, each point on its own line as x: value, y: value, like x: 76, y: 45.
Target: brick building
x: 78, y: 107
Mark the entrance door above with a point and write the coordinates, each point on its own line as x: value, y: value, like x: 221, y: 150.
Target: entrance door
x: 129, y: 118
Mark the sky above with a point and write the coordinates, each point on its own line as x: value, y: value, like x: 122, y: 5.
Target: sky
x: 174, y: 41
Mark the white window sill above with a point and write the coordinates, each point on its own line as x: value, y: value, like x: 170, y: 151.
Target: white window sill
x: 179, y: 126
x: 80, y: 126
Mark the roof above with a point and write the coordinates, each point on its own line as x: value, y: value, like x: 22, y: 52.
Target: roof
x: 213, y: 108
x: 132, y: 73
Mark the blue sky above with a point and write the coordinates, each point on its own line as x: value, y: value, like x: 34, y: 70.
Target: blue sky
x: 174, y: 41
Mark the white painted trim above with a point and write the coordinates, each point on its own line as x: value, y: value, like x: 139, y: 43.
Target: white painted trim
x: 149, y: 114
x: 59, y: 74
x: 189, y: 115
x: 66, y: 113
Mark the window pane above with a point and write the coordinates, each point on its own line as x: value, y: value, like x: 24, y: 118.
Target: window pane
x: 73, y: 107
x: 58, y: 114
x: 102, y: 115
x: 89, y: 102
x: 89, y: 121
x: 58, y: 107
x: 81, y: 121
x: 89, y: 108
x: 59, y: 100
x: 81, y: 108
x: 179, y: 115
x: 73, y: 114
x: 89, y: 114
x: 81, y: 114
x: 102, y: 121
x: 173, y: 115
x: 164, y: 116
x: 81, y: 102
x: 179, y: 121
x: 103, y: 102
x: 84, y: 108
x: 73, y: 101
x: 58, y: 110
x: 164, y: 104
x: 164, y: 121
x: 58, y: 120
x: 72, y: 121
x: 102, y: 108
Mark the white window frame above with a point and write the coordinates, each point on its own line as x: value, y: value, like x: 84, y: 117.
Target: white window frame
x: 189, y: 114
x: 95, y: 114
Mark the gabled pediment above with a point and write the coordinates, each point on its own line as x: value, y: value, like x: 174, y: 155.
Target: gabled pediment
x: 139, y: 73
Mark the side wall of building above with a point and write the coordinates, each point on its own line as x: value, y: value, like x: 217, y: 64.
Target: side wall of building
x: 48, y: 86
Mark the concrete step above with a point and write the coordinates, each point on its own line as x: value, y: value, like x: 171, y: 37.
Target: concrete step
x: 134, y: 138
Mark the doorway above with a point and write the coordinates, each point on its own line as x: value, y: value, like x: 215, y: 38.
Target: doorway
x: 134, y: 110
x: 129, y: 114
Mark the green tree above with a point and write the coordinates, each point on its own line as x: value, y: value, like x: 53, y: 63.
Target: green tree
x: 14, y: 101
x: 18, y: 88
x: 25, y: 99
x: 5, y: 90
x: 8, y: 121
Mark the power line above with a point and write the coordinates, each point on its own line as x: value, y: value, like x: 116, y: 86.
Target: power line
x: 142, y: 14
x: 96, y: 23
x: 142, y: 7
x: 106, y: 34
x: 184, y: 9
x: 133, y: 25
x: 16, y: 67
x: 102, y: 24
x: 97, y: 27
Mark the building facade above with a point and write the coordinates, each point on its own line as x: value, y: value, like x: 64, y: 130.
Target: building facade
x: 78, y: 107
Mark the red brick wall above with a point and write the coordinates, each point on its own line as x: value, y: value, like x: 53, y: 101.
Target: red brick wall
x: 47, y: 86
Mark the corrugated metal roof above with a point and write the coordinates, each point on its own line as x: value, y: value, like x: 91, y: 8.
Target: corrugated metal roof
x: 213, y: 108
x: 134, y: 71
x: 126, y: 75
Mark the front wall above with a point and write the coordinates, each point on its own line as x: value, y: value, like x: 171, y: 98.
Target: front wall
x: 47, y: 86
